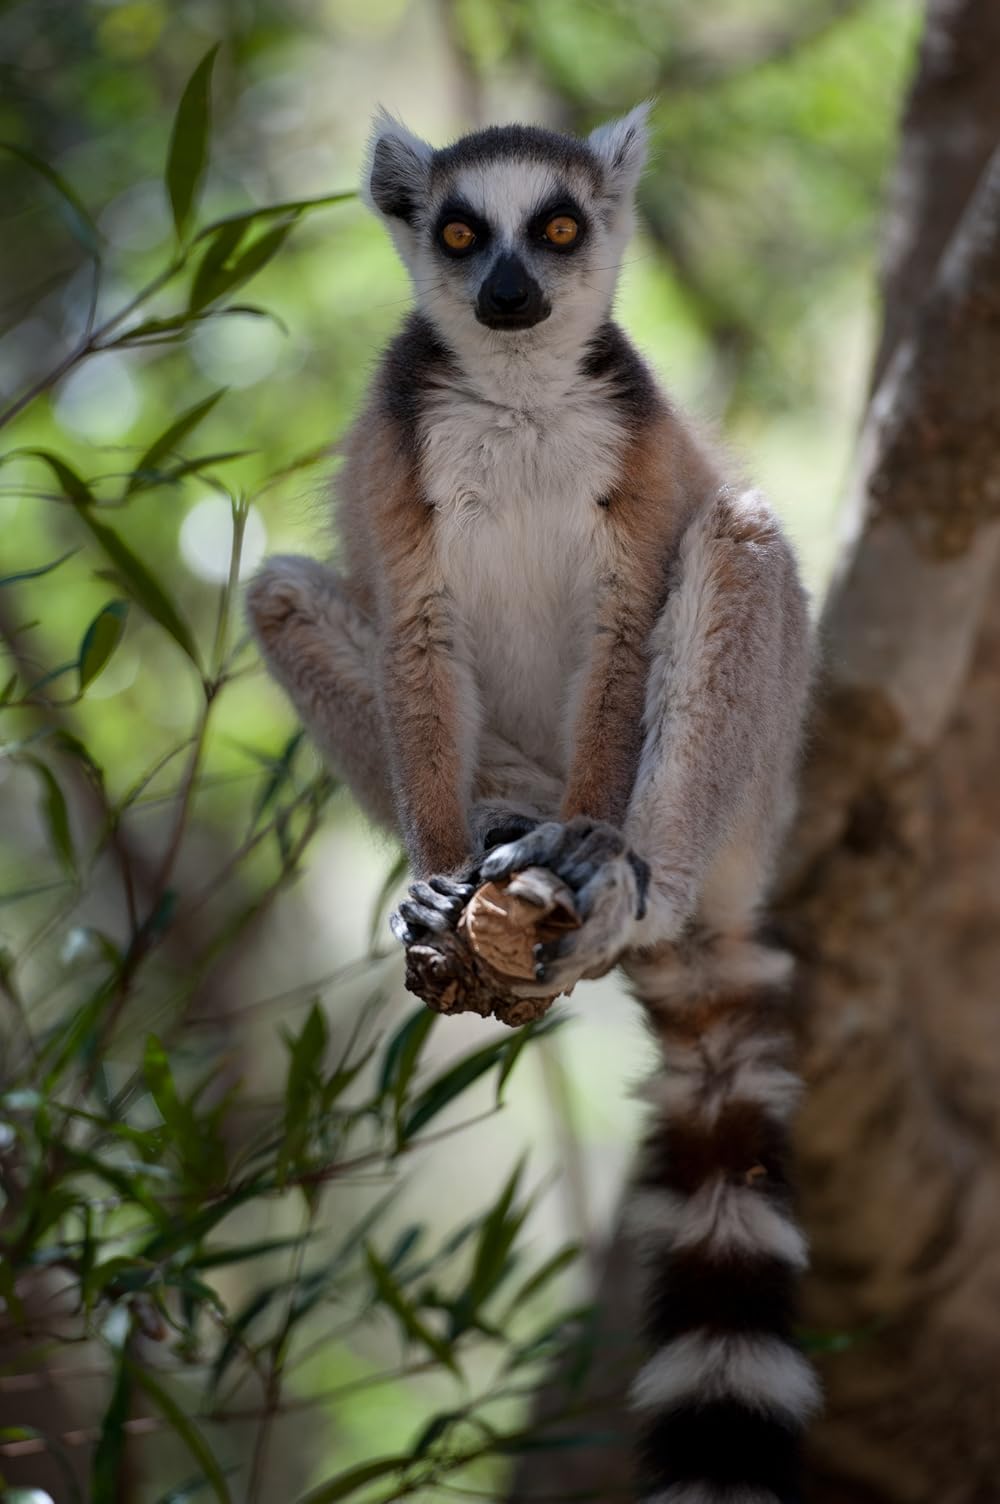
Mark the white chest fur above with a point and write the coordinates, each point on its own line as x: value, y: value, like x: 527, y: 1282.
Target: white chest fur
x: 520, y: 540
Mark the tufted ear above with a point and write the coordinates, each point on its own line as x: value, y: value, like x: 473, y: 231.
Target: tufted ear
x: 397, y: 170
x: 621, y: 147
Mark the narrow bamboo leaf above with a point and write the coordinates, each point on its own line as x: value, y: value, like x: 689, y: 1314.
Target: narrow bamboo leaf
x: 187, y: 157
x: 35, y: 574
x: 354, y: 1479
x: 302, y: 1085
x: 144, y: 589
x: 392, y: 877
x: 73, y: 211
x: 167, y: 330
x: 198, y: 464
x: 188, y: 1432
x: 55, y: 814
x: 177, y: 1115
x: 71, y: 484
x: 449, y: 1085
x: 294, y: 206
x: 146, y: 471
x: 7, y: 689
x: 389, y: 1292
x: 402, y: 1053
x: 100, y: 640
x: 106, y: 1469
x: 231, y: 274
x: 544, y: 1275
x: 210, y: 273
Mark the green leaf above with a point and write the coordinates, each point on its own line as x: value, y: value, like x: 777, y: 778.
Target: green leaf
x: 72, y: 485
x: 389, y: 1292
x: 302, y: 1085
x: 543, y: 1275
x: 348, y: 1483
x: 55, y: 814
x: 188, y: 1432
x: 106, y: 1470
x: 35, y: 574
x: 100, y: 640
x: 177, y: 1115
x: 294, y: 206
x: 146, y: 471
x: 451, y: 1084
x: 73, y: 211
x: 141, y: 584
x: 187, y: 157
x: 402, y: 1053
x: 215, y: 277
x: 392, y: 877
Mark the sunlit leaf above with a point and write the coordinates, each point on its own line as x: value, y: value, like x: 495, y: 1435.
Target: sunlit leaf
x: 146, y: 471
x: 72, y: 485
x: 34, y: 574
x: 141, y: 584
x: 187, y: 157
x: 217, y: 278
x: 100, y: 640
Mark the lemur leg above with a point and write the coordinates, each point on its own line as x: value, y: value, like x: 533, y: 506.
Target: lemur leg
x: 321, y: 649
x: 725, y: 690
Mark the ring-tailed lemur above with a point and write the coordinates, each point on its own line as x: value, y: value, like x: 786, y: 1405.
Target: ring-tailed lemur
x: 562, y: 636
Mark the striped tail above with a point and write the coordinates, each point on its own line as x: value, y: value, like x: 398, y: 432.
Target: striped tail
x: 723, y: 1399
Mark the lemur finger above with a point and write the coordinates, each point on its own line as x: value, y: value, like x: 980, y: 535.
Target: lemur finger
x: 452, y: 887
x: 425, y: 917
x: 537, y: 849
x: 435, y: 898
x: 401, y: 930
x: 598, y: 848
x: 510, y: 830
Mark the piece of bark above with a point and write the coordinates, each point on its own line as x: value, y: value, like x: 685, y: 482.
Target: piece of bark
x: 474, y: 968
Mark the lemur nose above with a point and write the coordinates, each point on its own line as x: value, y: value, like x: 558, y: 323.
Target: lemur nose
x: 510, y: 295
x: 507, y: 287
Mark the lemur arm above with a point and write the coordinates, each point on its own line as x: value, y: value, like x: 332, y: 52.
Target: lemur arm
x: 727, y: 684
x: 428, y: 697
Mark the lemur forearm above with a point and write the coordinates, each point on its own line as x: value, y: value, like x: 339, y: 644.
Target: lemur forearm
x: 727, y: 682
x: 428, y: 697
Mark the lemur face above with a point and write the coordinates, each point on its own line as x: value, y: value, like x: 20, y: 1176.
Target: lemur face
x: 513, y: 236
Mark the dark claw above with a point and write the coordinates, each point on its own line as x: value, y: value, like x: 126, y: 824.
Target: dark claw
x: 641, y: 870
x: 426, y: 918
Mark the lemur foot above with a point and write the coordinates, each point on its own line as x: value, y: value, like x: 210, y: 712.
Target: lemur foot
x: 608, y: 882
x: 435, y: 904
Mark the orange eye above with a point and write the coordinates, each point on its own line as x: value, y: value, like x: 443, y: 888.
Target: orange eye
x: 562, y: 230
x: 458, y: 237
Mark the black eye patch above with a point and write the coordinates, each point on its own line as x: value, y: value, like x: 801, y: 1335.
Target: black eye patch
x: 456, y: 212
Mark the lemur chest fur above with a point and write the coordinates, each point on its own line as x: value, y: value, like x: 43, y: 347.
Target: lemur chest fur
x: 520, y: 539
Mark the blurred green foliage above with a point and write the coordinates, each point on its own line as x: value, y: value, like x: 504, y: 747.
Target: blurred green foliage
x: 192, y: 301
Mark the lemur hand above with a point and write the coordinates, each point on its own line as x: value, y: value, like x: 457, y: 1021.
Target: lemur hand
x: 608, y: 882
x: 434, y: 905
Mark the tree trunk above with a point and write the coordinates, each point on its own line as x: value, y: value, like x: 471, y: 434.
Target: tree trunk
x: 891, y: 894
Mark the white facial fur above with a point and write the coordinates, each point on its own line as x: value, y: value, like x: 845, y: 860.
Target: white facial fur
x: 408, y: 189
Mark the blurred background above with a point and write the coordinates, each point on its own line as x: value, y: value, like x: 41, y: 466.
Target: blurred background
x: 173, y: 862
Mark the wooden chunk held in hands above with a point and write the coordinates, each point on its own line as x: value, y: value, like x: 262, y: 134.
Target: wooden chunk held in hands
x: 472, y: 969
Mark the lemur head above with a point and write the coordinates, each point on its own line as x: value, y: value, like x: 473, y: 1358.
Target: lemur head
x: 514, y: 235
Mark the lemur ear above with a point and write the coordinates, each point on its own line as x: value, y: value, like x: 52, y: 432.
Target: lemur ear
x: 397, y: 169
x: 621, y: 146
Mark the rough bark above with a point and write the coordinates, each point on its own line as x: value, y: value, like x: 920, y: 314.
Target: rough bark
x: 892, y: 890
